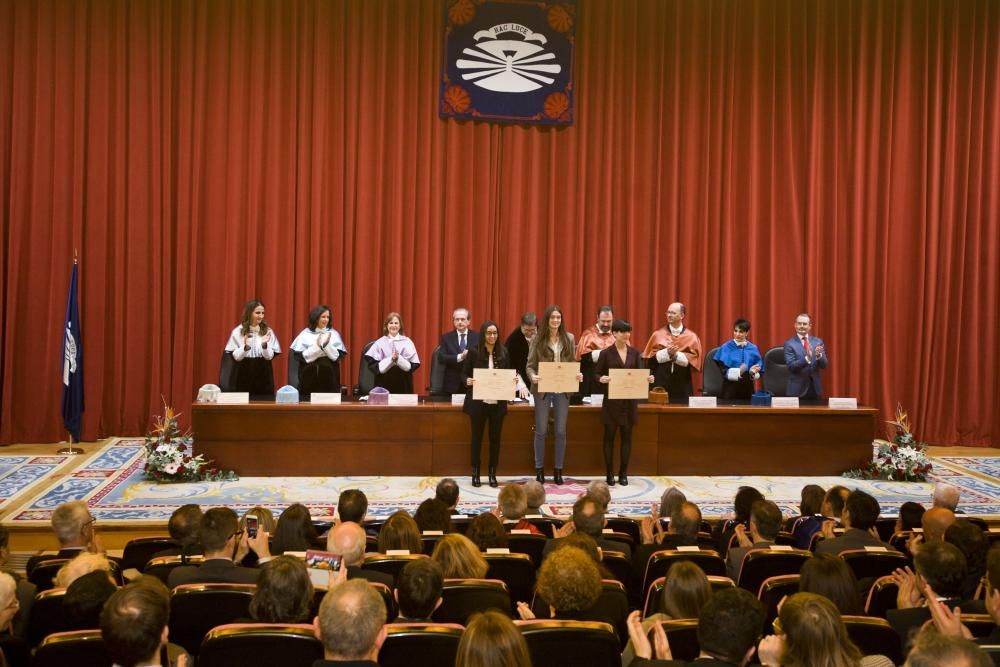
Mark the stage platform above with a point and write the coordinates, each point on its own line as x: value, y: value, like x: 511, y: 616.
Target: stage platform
x: 264, y: 438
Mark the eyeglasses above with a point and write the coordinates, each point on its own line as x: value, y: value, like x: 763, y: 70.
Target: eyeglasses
x: 88, y: 524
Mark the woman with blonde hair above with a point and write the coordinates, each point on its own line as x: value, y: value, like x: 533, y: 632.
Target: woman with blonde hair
x: 459, y: 557
x: 810, y: 633
x: 492, y: 640
x: 400, y: 533
x: 79, y: 566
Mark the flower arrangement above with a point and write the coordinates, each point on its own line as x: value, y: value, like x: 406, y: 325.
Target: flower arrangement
x: 170, y: 455
x: 901, y: 459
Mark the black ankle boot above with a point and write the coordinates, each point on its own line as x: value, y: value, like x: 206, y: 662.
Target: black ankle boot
x: 557, y: 476
x: 493, y: 477
x: 623, y: 477
x: 609, y: 478
x: 540, y: 475
x: 475, y: 476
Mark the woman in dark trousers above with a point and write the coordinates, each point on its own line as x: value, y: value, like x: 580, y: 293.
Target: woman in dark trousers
x: 619, y: 414
x: 488, y: 353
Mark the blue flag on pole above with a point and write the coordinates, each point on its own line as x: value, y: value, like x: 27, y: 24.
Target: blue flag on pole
x: 72, y: 363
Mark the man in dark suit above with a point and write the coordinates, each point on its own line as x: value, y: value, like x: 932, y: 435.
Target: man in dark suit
x: 74, y: 528
x: 184, y: 528
x: 519, y: 341
x: 348, y: 540
x: 351, y: 625
x: 134, y: 624
x: 418, y: 590
x: 224, y: 543
x: 805, y: 356
x: 453, y: 349
x: 765, y: 522
x: 588, y: 518
x: 685, y: 522
x: 859, y: 516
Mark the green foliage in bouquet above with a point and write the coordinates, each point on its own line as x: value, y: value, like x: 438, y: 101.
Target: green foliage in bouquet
x: 170, y: 456
x: 902, y: 459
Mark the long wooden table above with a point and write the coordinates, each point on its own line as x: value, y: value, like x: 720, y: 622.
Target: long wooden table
x: 433, y: 439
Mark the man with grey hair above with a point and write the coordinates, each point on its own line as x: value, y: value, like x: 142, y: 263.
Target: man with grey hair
x: 946, y: 496
x: 670, y: 499
x: 348, y: 540
x: 685, y: 522
x: 351, y: 625
x: 73, y: 526
x: 932, y: 649
x: 599, y: 490
x: 536, y: 496
x: 453, y: 349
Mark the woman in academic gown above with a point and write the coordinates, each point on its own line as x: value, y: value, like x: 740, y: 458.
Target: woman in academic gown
x: 253, y: 345
x: 619, y: 414
x: 489, y: 352
x: 740, y: 363
x: 393, y: 357
x: 318, y: 350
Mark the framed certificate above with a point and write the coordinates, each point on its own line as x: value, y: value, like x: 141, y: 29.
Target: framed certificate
x: 493, y: 384
x: 558, y: 376
x: 628, y: 383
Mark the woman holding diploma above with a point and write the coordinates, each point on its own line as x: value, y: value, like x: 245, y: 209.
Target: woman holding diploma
x: 619, y: 413
x: 318, y: 349
x: 393, y: 357
x: 253, y: 346
x: 552, y: 343
x: 488, y: 353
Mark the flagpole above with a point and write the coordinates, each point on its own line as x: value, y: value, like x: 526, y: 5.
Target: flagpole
x: 70, y: 450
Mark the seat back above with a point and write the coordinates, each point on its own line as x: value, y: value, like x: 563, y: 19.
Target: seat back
x: 391, y: 565
x: 682, y: 635
x: 294, y: 361
x: 775, y: 371
x: 139, y: 551
x: 429, y: 542
x: 80, y: 647
x: 436, y: 387
x: 420, y: 645
x: 981, y: 625
x: 659, y: 564
x: 197, y: 608
x: 874, y: 636
x: 872, y: 565
x: 763, y: 564
x: 44, y: 573
x: 162, y: 567
x: 571, y: 643
x: 773, y: 590
x: 226, y: 367
x: 882, y: 597
x: 654, y: 596
x: 264, y: 644
x: 47, y: 615
x: 533, y: 545
x: 711, y: 375
x: 461, y: 598
x: 625, y: 525
x: 545, y: 524
x: 516, y: 571
x: 366, y: 379
x: 619, y: 567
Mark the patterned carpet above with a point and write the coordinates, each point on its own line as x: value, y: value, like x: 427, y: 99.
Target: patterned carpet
x: 112, y: 484
x: 18, y: 473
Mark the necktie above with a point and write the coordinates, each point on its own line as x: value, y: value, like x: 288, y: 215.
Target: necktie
x: 461, y: 342
x: 805, y: 344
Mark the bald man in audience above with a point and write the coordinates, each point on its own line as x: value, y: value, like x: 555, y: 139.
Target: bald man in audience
x: 935, y: 522
x: 946, y: 496
x: 682, y: 531
x: 351, y: 625
x: 348, y: 540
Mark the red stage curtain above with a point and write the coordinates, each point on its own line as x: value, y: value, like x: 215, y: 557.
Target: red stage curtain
x: 753, y: 159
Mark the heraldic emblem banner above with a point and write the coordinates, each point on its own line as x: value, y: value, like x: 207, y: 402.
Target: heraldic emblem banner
x: 508, y: 61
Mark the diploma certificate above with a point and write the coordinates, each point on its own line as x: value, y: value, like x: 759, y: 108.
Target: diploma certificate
x: 493, y: 384
x: 628, y: 383
x: 558, y: 377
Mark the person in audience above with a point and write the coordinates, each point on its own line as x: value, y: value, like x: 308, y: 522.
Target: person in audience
x: 351, y: 625
x: 940, y: 573
x: 459, y: 558
x: 447, y: 491
x: 253, y: 345
x: 418, y: 590
x: 318, y: 348
x: 739, y: 362
x: 492, y: 640
x: 974, y: 545
x: 811, y: 499
x: 393, y: 358
x: 600, y: 490
x: 810, y: 633
x: 265, y: 521
x: 910, y: 516
x: 810, y: 520
x: 513, y: 503
x: 284, y: 592
x: 400, y: 533
x: 536, y: 496
x: 618, y: 414
x: 183, y: 527
x: 553, y: 343
x: 134, y: 625
x: 74, y: 528
x: 25, y: 589
x: 765, y: 523
x: 348, y: 540
x: 729, y: 626
x: 486, y: 532
x: 570, y: 583
x: 588, y: 518
x: 686, y: 591
x: 224, y: 543
x: 831, y: 577
x: 79, y: 566
x: 85, y: 598
x: 671, y: 498
x: 295, y: 531
x: 932, y: 649
x: 432, y: 514
x: 9, y: 604
x: 486, y: 352
x: 587, y: 545
x: 682, y: 531
x: 935, y: 522
x: 946, y: 496
x: 518, y: 343
x: 744, y: 499
x: 859, y: 516
x: 352, y: 505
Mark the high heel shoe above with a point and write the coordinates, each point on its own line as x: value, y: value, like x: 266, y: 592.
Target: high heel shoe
x: 623, y: 478
x: 609, y: 478
x: 540, y: 475
x: 475, y: 476
x: 493, y: 477
x: 557, y: 476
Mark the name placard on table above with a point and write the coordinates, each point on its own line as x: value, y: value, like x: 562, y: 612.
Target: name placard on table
x: 318, y: 398
x: 784, y: 401
x: 233, y: 398
x: 702, y: 402
x: 844, y: 403
x: 404, y: 399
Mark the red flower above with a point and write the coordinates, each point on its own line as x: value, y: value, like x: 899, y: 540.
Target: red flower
x: 182, y: 447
